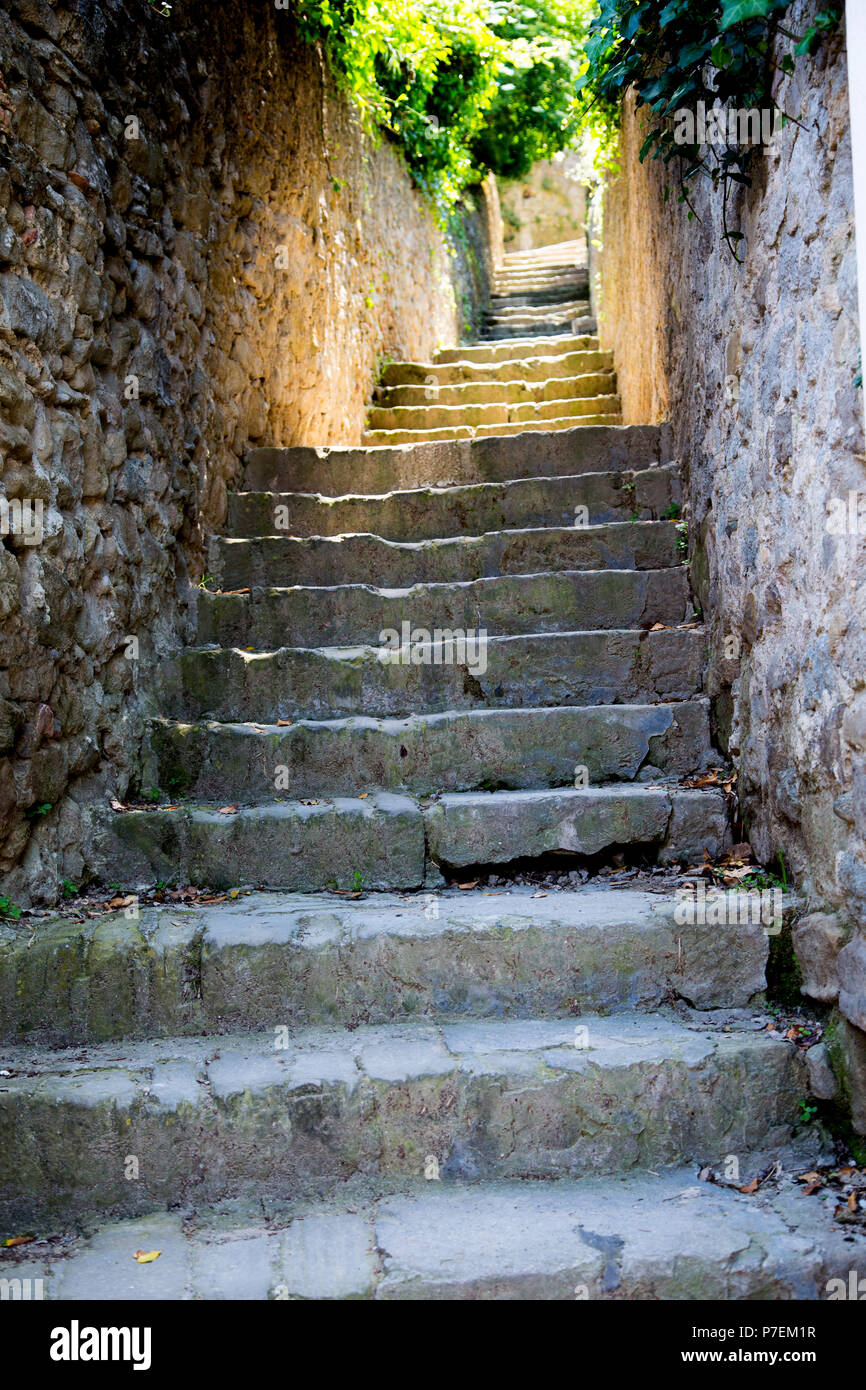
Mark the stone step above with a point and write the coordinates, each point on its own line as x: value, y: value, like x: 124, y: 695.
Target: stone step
x: 544, y: 328
x: 512, y: 313
x: 535, y: 295
x: 428, y: 513
x: 554, y: 346
x: 506, y: 1099
x: 267, y: 560
x: 491, y: 828
x: 343, y: 470
x: 498, y: 392
x: 434, y: 674
x: 598, y: 399
x: 348, y: 614
x: 456, y: 751
x: 533, y: 287
x: 334, y: 842
x: 314, y: 959
x: 391, y: 842
x: 527, y: 369
x: 386, y: 439
x: 648, y: 1236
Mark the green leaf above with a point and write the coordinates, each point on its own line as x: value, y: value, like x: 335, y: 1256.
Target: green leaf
x: 738, y: 11
x: 721, y: 55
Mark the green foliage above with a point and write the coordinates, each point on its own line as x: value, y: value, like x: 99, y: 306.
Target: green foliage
x: 535, y: 110
x: 677, y: 53
x: 461, y: 86
x: 9, y: 909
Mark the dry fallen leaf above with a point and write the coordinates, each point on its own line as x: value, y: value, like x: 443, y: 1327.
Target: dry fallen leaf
x: 853, y: 1202
x: 228, y: 810
x: 17, y: 1240
x: 305, y: 802
x: 539, y: 895
x: 361, y: 795
x: 283, y: 723
x: 146, y: 1257
x: 750, y: 1187
x: 473, y: 884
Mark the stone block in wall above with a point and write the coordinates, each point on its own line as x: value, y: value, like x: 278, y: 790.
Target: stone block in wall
x: 818, y: 939
x: 848, y: 1052
x: 851, y: 971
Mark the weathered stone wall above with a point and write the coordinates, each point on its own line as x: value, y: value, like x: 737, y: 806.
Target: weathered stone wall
x: 755, y: 365
x: 549, y: 205
x: 198, y: 249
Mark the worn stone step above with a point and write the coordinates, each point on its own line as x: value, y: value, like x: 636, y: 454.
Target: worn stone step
x: 425, y: 754
x: 338, y: 471
x: 489, y: 828
x: 515, y: 313
x: 427, y: 513
x: 343, y: 615
x: 535, y: 295
x: 392, y: 842
x: 560, y: 388
x: 507, y: 1099
x: 597, y: 400
x: 530, y: 290
x: 434, y: 673
x: 332, y: 843
x: 314, y: 959
x: 538, y: 304
x: 544, y: 328
x: 356, y: 559
x: 644, y: 1237
x: 527, y: 369
x: 386, y: 439
x: 554, y: 346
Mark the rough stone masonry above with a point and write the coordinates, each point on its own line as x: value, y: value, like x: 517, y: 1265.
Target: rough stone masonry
x: 198, y: 248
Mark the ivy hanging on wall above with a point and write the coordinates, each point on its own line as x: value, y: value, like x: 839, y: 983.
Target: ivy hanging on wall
x: 705, y: 70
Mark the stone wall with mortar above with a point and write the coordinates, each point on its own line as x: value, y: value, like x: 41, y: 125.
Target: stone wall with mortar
x: 755, y: 366
x: 199, y: 250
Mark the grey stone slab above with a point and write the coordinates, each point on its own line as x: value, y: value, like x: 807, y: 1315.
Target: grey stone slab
x: 435, y: 674
x: 499, y: 827
x: 337, y: 471
x: 428, y: 754
x: 497, y: 1100
x: 318, y: 560
x: 353, y: 614
x: 106, y: 1270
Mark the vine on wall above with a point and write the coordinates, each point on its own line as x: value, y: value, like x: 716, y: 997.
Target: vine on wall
x: 689, y: 56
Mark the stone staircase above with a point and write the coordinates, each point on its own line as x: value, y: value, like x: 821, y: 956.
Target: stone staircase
x: 538, y: 366
x: 365, y: 1089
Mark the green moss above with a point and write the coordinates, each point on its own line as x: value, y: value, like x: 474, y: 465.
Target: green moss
x: 784, y: 976
x: 836, y: 1114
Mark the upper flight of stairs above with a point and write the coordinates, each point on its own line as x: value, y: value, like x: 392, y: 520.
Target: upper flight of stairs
x: 366, y: 1087
x: 538, y: 366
